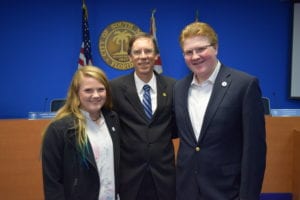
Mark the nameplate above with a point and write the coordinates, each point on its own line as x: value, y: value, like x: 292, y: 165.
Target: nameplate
x: 41, y: 115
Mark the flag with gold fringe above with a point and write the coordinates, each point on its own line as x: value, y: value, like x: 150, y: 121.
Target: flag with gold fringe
x: 158, y: 63
x: 85, y: 56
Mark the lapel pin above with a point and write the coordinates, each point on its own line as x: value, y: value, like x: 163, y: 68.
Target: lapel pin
x: 164, y: 94
x: 224, y: 84
x: 113, y: 129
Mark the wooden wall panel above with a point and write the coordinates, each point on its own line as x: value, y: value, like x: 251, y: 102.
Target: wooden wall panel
x: 296, y: 166
x: 279, y: 169
x: 20, y: 167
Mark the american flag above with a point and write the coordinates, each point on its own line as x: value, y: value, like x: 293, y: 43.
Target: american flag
x: 85, y: 56
x: 158, y: 63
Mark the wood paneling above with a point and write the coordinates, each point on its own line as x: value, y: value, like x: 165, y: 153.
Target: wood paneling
x: 20, y: 165
x: 296, y: 166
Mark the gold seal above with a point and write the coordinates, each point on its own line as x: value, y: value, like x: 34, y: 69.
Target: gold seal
x: 113, y: 44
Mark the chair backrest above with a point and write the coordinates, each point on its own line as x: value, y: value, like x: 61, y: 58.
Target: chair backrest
x: 266, y: 103
x: 56, y: 104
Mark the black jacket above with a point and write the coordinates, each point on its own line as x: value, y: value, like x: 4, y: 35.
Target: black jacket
x: 145, y: 146
x: 66, y: 175
x: 228, y: 160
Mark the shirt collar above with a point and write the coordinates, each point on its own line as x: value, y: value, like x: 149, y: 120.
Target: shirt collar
x: 140, y: 83
x: 211, y: 79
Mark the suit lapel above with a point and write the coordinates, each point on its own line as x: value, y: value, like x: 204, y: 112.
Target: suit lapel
x: 89, y: 154
x: 110, y: 120
x: 162, y: 95
x: 220, y: 88
x: 130, y: 94
x: 187, y: 119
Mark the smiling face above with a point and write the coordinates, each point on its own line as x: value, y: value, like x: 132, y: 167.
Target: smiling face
x: 143, y: 56
x: 200, y: 56
x: 92, y: 95
x: 199, y: 43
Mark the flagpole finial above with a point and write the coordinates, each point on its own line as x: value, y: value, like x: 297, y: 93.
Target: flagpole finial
x: 197, y: 16
x: 84, y: 5
x: 153, y: 12
x: 84, y: 8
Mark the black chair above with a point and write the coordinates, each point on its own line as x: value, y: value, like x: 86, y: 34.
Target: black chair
x: 56, y: 104
x: 266, y: 103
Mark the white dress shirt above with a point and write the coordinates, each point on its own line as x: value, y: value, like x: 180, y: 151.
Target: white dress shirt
x: 153, y: 90
x: 198, y: 98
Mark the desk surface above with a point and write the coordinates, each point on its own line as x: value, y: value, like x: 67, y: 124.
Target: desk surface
x: 20, y: 166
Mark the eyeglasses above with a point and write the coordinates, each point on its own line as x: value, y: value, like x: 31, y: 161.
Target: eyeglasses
x: 139, y: 52
x: 197, y: 50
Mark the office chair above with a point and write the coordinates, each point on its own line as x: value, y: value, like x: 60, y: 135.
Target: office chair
x: 56, y: 104
x: 266, y: 103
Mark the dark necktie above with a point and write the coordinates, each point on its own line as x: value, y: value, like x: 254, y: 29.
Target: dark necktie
x: 147, y: 101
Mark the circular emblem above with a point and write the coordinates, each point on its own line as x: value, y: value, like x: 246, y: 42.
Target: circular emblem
x: 113, y: 44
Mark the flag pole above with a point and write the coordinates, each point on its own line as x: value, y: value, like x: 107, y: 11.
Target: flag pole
x: 153, y: 12
x: 85, y: 55
x: 158, y: 63
x: 197, y: 16
x: 84, y: 8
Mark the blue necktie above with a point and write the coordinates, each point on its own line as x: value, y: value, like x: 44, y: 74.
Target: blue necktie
x: 147, y: 101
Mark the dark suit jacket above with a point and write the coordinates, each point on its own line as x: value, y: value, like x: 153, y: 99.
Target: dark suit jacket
x: 228, y: 160
x: 145, y: 146
x: 66, y: 175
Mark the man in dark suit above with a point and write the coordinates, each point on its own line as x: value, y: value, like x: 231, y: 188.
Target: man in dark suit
x: 147, y: 166
x: 221, y: 126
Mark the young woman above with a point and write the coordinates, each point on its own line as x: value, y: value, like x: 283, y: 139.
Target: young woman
x: 80, y: 150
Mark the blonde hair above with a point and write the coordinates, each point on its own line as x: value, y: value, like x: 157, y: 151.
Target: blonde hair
x: 72, y: 105
x: 198, y: 29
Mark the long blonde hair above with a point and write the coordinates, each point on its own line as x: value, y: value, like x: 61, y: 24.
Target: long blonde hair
x: 72, y: 105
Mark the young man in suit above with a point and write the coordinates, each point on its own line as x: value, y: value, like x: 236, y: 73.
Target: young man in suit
x: 220, y: 118
x: 147, y: 166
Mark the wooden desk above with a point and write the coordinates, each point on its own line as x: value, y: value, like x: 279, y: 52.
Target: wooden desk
x: 20, y: 167
x: 279, y: 175
x: 296, y: 166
